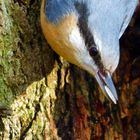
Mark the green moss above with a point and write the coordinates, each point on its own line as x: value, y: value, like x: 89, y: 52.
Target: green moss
x: 22, y: 84
x: 11, y: 75
x: 6, y: 96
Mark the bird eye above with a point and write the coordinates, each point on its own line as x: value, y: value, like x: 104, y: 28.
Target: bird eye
x: 93, y: 51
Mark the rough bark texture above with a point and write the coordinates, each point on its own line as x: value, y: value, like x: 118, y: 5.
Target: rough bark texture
x: 42, y: 97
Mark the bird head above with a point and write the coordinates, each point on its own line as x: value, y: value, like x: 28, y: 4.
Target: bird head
x: 97, y: 57
x: 96, y: 48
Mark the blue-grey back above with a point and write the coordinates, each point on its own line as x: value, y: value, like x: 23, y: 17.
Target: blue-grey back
x: 56, y: 9
x: 97, y: 10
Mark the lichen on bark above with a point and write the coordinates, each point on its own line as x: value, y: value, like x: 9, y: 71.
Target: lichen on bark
x: 23, y: 71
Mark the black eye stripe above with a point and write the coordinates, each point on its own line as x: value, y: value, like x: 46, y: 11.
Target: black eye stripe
x: 82, y: 23
x: 86, y: 33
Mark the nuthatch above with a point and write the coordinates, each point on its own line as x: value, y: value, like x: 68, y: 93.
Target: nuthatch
x: 87, y: 33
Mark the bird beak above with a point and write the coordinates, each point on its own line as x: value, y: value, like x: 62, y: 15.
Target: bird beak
x: 107, y: 86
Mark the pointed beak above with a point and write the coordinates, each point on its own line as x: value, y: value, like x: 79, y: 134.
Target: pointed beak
x: 107, y: 86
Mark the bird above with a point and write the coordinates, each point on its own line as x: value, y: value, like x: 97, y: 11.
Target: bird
x: 86, y: 33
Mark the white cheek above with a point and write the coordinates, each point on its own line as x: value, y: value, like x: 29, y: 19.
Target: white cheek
x: 76, y: 39
x: 78, y: 45
x: 81, y: 52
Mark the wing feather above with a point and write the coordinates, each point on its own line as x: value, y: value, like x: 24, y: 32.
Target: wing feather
x: 130, y: 8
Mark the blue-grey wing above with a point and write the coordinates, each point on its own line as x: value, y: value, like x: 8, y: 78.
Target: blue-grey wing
x: 130, y: 8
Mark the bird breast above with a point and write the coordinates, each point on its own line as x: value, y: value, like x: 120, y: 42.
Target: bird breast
x: 62, y: 36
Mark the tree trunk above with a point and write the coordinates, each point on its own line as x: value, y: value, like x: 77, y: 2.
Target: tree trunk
x: 42, y: 97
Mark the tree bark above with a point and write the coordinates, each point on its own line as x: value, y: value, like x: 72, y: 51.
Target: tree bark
x: 43, y: 97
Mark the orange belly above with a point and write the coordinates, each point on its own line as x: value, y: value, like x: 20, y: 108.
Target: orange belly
x: 57, y: 35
